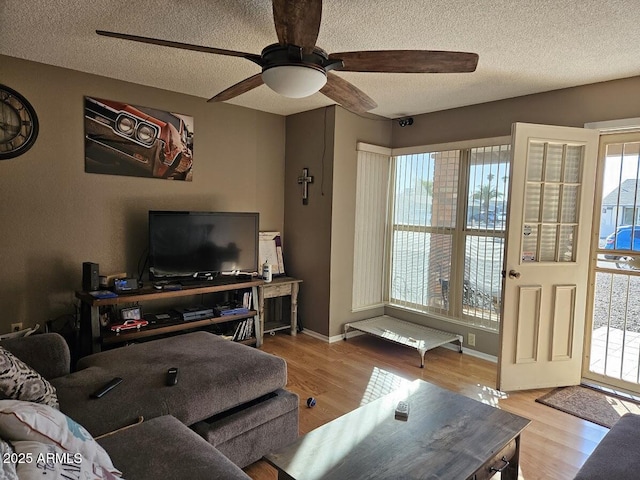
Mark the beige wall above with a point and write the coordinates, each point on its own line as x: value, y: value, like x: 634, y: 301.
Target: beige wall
x: 55, y: 216
x: 350, y: 129
x: 570, y: 107
x: 322, y: 252
x: 612, y: 100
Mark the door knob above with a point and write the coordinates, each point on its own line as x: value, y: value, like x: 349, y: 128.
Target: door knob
x: 514, y: 274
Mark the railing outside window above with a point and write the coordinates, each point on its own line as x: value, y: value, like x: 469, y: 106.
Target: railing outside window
x: 447, y: 240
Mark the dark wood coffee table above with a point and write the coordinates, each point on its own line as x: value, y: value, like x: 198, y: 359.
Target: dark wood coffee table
x: 447, y: 436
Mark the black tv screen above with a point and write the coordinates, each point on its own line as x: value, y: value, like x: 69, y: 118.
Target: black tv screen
x: 182, y: 244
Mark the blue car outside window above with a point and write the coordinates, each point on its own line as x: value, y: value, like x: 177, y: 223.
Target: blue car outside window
x: 621, y: 239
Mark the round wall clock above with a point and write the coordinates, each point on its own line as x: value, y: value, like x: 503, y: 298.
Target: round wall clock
x: 18, y: 124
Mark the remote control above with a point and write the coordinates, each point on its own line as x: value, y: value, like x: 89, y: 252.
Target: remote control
x: 106, y: 388
x: 172, y: 376
x: 402, y: 411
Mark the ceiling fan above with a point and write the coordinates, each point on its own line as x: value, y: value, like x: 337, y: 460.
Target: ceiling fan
x: 295, y: 67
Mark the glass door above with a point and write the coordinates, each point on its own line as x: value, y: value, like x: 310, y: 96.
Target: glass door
x: 612, y: 356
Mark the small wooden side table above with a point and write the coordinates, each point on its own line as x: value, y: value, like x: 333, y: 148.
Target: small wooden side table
x: 279, y: 287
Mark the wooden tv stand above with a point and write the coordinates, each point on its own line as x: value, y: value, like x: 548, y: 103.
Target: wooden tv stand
x: 93, y: 337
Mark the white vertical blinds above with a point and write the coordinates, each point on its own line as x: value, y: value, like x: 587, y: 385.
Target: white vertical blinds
x: 372, y: 185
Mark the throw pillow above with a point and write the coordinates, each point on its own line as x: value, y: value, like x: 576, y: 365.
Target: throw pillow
x: 8, y: 469
x: 47, y: 461
x: 19, y: 381
x: 25, y: 421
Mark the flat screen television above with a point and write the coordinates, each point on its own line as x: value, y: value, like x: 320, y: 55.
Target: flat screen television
x: 188, y: 244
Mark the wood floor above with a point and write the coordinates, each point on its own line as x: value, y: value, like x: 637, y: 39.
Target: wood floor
x: 344, y: 375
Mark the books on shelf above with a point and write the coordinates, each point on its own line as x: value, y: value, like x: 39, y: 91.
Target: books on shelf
x: 226, y: 311
x: 246, y: 300
x: 244, y: 330
x: 235, y: 308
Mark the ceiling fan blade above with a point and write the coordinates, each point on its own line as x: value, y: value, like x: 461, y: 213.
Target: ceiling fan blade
x: 347, y: 95
x: 238, y: 89
x: 185, y: 46
x: 407, y: 61
x: 298, y: 22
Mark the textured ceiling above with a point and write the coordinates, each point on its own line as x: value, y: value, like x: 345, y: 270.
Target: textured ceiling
x: 524, y: 46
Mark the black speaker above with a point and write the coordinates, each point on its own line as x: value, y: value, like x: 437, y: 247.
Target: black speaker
x: 90, y: 277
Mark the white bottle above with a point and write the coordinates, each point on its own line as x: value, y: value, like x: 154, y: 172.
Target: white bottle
x: 266, y: 272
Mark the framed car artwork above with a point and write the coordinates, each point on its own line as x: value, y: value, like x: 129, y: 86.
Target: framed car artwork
x: 124, y: 139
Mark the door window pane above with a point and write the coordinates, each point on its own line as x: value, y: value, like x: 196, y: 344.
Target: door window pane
x: 536, y: 158
x: 550, y: 203
x: 548, y: 243
x: 569, y: 204
x: 553, y: 168
x: 530, y: 243
x: 532, y: 203
x: 551, y: 206
x: 572, y: 163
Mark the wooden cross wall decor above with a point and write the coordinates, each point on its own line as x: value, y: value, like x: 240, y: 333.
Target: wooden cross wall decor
x: 305, y: 179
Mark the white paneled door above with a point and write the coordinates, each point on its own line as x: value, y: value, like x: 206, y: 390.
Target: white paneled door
x: 547, y: 256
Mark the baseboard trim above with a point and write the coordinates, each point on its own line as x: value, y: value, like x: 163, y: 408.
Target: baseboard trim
x: 333, y: 339
x: 472, y: 353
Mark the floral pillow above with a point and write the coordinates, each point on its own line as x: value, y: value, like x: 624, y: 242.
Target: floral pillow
x: 18, y: 381
x: 26, y: 421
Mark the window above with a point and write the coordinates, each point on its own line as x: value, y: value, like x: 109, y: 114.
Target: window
x: 448, y: 226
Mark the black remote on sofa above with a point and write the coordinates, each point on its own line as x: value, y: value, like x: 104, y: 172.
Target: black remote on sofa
x: 107, y: 388
x: 172, y: 376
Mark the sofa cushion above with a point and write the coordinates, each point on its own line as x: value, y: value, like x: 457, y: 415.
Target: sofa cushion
x: 214, y: 375
x: 244, y: 435
x: 222, y: 428
x: 616, y: 456
x: 165, y: 448
x: 47, y: 353
x: 18, y: 381
x: 27, y: 421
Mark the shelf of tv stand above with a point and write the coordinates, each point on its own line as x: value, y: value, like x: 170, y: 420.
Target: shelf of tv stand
x: 150, y: 293
x: 110, y: 338
x: 95, y: 337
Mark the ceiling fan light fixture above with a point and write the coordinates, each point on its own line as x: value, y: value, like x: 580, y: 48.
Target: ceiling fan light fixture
x: 294, y: 81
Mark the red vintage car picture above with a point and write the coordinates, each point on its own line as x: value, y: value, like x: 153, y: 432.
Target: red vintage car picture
x: 129, y: 325
x: 123, y: 139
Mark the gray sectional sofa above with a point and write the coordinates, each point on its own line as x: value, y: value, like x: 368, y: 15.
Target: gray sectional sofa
x: 227, y: 410
x: 616, y: 457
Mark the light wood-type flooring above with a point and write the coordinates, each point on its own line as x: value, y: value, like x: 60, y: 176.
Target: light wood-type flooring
x: 344, y: 375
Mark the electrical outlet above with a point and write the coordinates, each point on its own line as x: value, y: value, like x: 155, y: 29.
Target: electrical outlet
x: 472, y: 340
x: 16, y: 327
